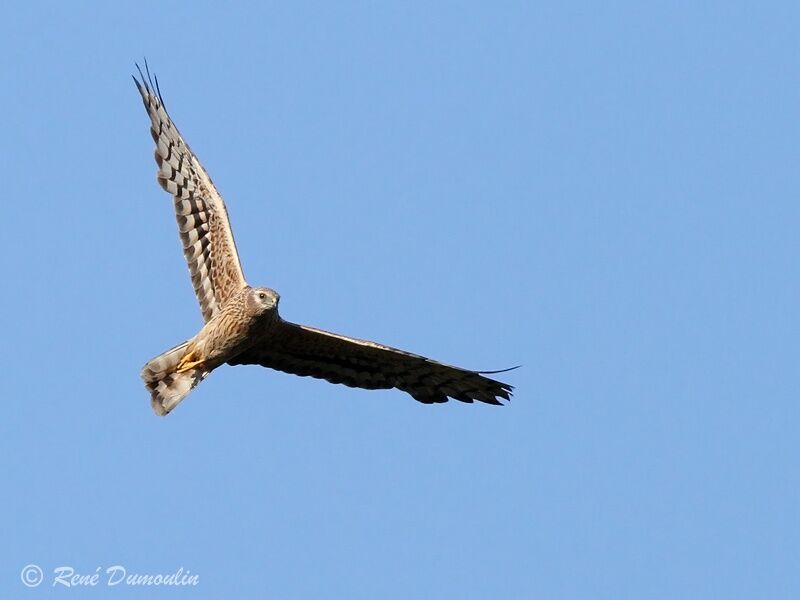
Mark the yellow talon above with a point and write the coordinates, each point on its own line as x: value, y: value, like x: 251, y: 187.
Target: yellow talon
x: 188, y: 362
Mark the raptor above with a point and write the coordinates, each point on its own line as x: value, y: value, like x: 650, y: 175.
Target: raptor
x: 242, y: 324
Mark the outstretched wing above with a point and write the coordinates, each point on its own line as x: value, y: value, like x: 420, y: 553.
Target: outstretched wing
x: 306, y: 351
x: 199, y: 209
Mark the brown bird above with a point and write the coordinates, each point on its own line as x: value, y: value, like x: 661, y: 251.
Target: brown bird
x: 242, y: 325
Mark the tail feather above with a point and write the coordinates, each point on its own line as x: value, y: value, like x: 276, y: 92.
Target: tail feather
x: 167, y: 387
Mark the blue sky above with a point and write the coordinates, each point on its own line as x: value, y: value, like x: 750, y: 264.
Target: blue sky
x: 606, y: 195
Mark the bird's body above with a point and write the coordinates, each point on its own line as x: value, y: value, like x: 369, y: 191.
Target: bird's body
x: 246, y: 316
x: 231, y: 330
x: 242, y: 324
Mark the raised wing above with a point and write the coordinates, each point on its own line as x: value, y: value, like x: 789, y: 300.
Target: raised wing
x: 306, y: 351
x: 199, y: 209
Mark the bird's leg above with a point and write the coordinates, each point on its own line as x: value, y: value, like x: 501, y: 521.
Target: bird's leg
x: 188, y: 362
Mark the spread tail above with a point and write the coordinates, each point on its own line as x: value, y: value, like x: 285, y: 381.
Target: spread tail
x: 167, y: 387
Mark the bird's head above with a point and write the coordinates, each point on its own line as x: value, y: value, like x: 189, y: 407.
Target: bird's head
x: 261, y: 300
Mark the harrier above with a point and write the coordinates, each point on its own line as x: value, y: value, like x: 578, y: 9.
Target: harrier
x: 242, y: 325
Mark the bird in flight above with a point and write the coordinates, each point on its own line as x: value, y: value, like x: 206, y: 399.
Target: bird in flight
x: 242, y: 324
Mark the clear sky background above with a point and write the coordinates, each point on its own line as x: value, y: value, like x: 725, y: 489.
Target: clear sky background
x: 604, y: 193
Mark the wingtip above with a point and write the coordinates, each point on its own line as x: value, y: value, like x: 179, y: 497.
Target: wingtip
x: 499, y: 370
x: 148, y: 85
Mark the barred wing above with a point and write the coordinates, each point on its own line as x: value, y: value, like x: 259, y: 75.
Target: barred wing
x: 306, y: 351
x: 199, y: 209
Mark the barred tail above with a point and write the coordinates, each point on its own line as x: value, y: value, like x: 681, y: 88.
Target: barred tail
x: 168, y: 387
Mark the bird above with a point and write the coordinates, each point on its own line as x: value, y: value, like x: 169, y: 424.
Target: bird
x: 242, y: 325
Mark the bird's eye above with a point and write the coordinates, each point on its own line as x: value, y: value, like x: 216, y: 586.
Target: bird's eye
x: 263, y: 296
